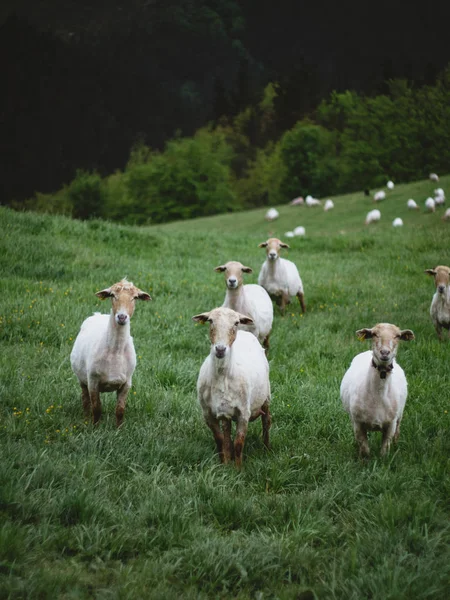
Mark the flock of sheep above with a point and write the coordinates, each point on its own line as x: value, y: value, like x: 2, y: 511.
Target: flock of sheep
x: 233, y: 383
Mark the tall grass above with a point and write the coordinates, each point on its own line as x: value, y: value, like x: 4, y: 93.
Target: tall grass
x: 146, y: 511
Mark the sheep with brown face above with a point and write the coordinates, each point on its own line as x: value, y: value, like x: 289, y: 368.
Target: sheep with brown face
x: 440, y: 304
x: 233, y: 383
x: 250, y: 299
x: 279, y: 276
x: 103, y: 355
x: 374, y: 388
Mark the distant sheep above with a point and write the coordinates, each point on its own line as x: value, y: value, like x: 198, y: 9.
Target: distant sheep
x: 329, y: 204
x: 299, y: 231
x: 439, y: 192
x: 279, y: 276
x: 378, y: 196
x: 373, y: 216
x: 310, y: 201
x: 297, y: 201
x: 374, y: 388
x: 412, y: 204
x: 233, y: 383
x: 289, y: 234
x: 397, y: 222
x: 103, y: 356
x: 440, y: 304
x: 251, y: 300
x: 430, y: 204
x: 390, y: 185
x: 272, y: 214
x: 439, y: 199
x: 446, y: 215
x: 434, y: 177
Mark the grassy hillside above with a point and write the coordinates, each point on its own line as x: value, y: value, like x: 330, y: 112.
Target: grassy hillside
x: 147, y: 511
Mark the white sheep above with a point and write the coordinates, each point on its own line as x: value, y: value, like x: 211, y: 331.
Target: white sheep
x: 251, y: 300
x: 310, y: 201
x: 329, y: 205
x: 446, y: 215
x: 440, y: 304
x: 390, y: 185
x: 378, y: 196
x: 233, y: 383
x: 439, y: 199
x: 297, y: 201
x: 412, y: 204
x: 434, y: 177
x: 299, y: 231
x: 289, y: 234
x: 372, y: 216
x: 103, y: 356
x: 397, y: 222
x: 430, y: 204
x: 279, y: 276
x: 272, y: 214
x: 439, y: 192
x: 374, y: 388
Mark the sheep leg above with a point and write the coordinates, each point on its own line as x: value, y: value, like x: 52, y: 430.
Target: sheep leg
x: 96, y: 406
x: 388, y: 434
x: 266, y: 418
x: 284, y: 300
x: 397, y: 431
x: 213, y: 424
x: 438, y: 328
x: 301, y: 298
x: 361, y: 438
x: 227, y: 449
x: 239, y: 441
x: 86, y: 400
x: 122, y: 394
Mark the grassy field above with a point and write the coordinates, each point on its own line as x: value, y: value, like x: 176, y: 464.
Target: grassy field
x: 147, y: 511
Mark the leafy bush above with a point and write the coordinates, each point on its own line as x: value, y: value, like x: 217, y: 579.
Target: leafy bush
x: 87, y: 195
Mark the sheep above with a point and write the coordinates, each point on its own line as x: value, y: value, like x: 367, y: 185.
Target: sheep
x: 430, y: 204
x: 233, y: 383
x: 251, y: 300
x: 374, y: 388
x: 279, y: 276
x: 299, y: 231
x: 434, y: 177
x: 412, y: 204
x: 390, y: 185
x: 297, y: 201
x: 439, y: 199
x: 381, y: 195
x: 310, y: 201
x: 103, y: 356
x: 372, y: 216
x: 446, y: 215
x: 289, y: 234
x: 272, y: 214
x: 397, y: 222
x: 440, y: 304
x: 439, y: 192
x: 329, y: 204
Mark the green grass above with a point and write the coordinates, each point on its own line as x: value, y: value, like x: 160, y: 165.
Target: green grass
x: 147, y: 511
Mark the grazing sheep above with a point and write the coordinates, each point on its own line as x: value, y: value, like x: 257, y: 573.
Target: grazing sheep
x: 372, y: 216
x: 300, y: 230
x: 310, y: 201
x: 439, y: 199
x: 233, y: 383
x: 297, y: 201
x: 397, y: 222
x: 272, y: 214
x: 289, y: 234
x: 329, y: 204
x: 251, y: 300
x: 103, y: 356
x: 446, y: 215
x: 279, y: 276
x: 439, y: 192
x: 374, y: 388
x: 430, y: 205
x: 390, y: 185
x: 378, y: 196
x: 412, y: 204
x: 434, y: 177
x: 440, y: 305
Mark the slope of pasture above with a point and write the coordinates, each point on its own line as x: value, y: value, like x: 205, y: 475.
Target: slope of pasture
x: 146, y: 511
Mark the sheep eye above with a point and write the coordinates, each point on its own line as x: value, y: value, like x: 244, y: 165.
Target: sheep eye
x: 236, y: 324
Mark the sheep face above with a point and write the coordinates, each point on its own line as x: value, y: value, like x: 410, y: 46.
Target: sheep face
x: 233, y: 273
x: 123, y: 295
x: 273, y: 247
x: 441, y: 276
x: 385, y: 338
x: 223, y: 328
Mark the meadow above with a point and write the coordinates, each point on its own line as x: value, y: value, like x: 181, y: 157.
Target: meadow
x: 147, y: 511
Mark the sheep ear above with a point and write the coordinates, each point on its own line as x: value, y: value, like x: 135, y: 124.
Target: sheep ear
x: 364, y: 334
x: 407, y: 335
x: 430, y: 272
x: 283, y: 245
x: 220, y: 269
x: 263, y: 245
x: 201, y: 318
x: 244, y: 320
x: 143, y: 296
x: 103, y: 294
x: 247, y: 270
